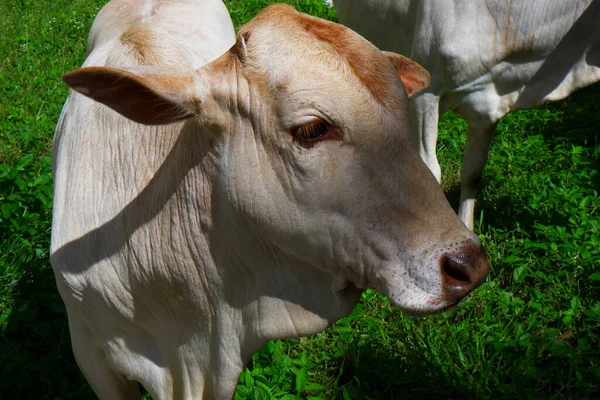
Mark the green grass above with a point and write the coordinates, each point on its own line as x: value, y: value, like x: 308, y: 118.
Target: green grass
x: 530, y: 332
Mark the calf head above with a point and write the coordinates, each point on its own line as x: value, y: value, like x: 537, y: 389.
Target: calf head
x: 314, y: 169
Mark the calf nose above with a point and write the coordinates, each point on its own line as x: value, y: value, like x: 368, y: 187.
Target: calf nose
x: 462, y: 271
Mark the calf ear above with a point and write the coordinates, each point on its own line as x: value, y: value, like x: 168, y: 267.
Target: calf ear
x: 148, y: 95
x: 414, y: 77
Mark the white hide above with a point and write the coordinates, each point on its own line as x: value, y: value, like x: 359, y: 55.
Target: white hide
x: 182, y: 246
x: 486, y: 58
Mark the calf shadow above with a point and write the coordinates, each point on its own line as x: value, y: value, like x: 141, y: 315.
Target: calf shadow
x: 36, y: 360
x: 369, y: 373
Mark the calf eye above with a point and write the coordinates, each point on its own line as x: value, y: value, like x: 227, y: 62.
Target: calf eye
x: 310, y: 134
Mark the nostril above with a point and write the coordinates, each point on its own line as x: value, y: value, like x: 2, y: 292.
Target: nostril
x: 462, y: 271
x: 455, y: 269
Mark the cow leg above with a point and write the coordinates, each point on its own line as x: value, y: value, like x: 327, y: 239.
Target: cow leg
x: 476, y: 152
x: 106, y: 383
x: 425, y: 115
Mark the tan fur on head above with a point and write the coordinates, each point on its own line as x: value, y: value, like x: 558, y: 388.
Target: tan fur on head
x: 364, y: 59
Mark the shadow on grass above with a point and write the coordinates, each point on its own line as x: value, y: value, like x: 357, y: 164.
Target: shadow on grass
x: 453, y: 196
x: 369, y: 372
x: 579, y: 125
x: 36, y: 359
x: 581, y: 121
x: 500, y: 213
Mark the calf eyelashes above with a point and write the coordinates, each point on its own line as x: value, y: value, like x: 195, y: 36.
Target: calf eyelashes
x: 312, y: 133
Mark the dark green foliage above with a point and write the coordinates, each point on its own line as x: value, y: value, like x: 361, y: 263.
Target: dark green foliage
x: 530, y: 332
x: 40, y: 42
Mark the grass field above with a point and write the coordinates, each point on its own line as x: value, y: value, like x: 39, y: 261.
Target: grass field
x: 532, y: 331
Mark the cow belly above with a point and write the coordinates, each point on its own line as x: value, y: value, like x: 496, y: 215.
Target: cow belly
x: 578, y: 78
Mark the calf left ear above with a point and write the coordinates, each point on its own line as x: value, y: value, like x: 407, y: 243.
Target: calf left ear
x: 414, y: 77
x: 148, y: 95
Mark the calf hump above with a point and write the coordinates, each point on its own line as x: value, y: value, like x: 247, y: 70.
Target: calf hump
x: 148, y: 45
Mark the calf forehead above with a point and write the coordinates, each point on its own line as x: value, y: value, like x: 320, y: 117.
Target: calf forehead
x: 301, y: 34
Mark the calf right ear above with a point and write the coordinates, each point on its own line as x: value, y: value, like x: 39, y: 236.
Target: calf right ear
x: 413, y: 75
x: 148, y: 95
